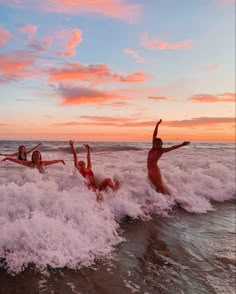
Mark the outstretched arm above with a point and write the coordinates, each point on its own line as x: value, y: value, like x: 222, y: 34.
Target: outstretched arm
x: 32, y: 149
x: 12, y: 154
x: 74, y: 153
x: 164, y: 150
x: 50, y: 162
x: 89, y: 164
x: 21, y: 162
x: 155, y: 132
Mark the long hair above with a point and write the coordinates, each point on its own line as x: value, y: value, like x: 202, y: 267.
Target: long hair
x: 19, y: 153
x: 32, y: 156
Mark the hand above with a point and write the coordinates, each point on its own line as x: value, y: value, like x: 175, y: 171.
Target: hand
x: 71, y: 142
x: 159, y: 121
x: 63, y: 162
x: 185, y: 143
x: 87, y: 146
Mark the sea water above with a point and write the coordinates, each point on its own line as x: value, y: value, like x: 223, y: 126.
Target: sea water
x: 55, y: 237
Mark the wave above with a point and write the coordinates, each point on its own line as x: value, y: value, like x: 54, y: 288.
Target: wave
x: 53, y: 219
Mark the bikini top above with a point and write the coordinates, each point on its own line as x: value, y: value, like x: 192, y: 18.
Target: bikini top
x: 85, y: 173
x: 22, y: 158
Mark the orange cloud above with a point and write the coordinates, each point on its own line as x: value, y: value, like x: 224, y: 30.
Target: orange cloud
x: 82, y: 95
x: 75, y: 39
x: 127, y: 122
x: 159, y: 98
x: 5, y: 36
x: 225, y: 97
x: 13, y: 64
x: 135, y: 54
x: 112, y: 8
x: 95, y: 74
x: 200, y: 121
x: 159, y: 44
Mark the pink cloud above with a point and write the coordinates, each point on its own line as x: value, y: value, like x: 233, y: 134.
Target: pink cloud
x: 75, y: 38
x: 135, y: 55
x: 94, y: 74
x: 5, y: 36
x: 119, y: 9
x: 158, y: 44
x: 41, y: 46
x: 29, y: 29
x: 83, y: 95
x: 225, y: 97
x: 13, y: 64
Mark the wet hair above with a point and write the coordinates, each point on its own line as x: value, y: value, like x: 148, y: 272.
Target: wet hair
x: 32, y: 157
x: 158, y: 139
x: 19, y: 154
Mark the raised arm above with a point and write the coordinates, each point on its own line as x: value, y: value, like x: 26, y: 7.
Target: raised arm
x: 34, y: 148
x: 155, y: 132
x: 164, y: 150
x: 74, y: 153
x: 21, y: 162
x: 50, y: 162
x: 89, y: 164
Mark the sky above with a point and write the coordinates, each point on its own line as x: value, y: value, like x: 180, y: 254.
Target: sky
x: 108, y: 70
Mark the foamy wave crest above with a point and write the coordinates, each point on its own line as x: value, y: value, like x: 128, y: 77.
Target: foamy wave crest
x: 53, y: 219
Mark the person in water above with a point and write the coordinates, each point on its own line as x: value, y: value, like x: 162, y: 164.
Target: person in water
x: 22, y: 152
x: 154, y: 154
x: 87, y: 173
x: 36, y: 161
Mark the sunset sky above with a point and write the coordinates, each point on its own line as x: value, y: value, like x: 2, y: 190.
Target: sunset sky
x: 110, y: 69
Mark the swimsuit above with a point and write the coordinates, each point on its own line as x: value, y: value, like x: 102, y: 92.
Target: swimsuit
x: 22, y: 158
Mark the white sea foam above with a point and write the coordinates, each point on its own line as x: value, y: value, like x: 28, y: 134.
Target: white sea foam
x: 53, y: 219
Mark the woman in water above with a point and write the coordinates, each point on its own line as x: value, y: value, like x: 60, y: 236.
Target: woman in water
x: 154, y: 154
x: 36, y: 161
x: 87, y: 173
x: 22, y: 152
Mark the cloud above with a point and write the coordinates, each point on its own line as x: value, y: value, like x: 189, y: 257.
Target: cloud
x: 120, y: 104
x: 24, y: 100
x: 135, y: 55
x: 29, y: 29
x: 200, y: 121
x: 5, y: 36
x: 13, y: 65
x: 207, y: 67
x: 159, y: 98
x: 158, y: 44
x: 207, y: 98
x: 75, y: 38
x: 42, y: 46
x: 83, y: 95
x: 94, y: 74
x: 119, y: 9
x: 107, y: 121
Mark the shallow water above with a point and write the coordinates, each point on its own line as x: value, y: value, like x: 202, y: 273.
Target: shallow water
x: 183, y: 253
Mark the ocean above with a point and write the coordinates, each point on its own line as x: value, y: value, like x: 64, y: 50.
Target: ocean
x: 55, y: 237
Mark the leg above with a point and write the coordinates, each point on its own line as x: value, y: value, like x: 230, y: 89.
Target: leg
x: 155, y: 177
x: 108, y: 182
